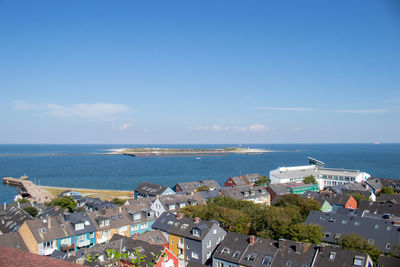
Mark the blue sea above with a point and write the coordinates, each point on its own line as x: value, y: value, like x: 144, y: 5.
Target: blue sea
x: 125, y: 173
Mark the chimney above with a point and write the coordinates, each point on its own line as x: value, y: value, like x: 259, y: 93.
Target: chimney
x: 179, y: 215
x: 120, y: 209
x: 252, y: 239
x: 56, y: 208
x: 196, y: 220
x: 298, y: 247
x: 321, y: 250
x: 280, y: 242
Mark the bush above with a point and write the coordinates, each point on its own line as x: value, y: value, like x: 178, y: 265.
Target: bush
x: 203, y: 188
x: 23, y: 200
x: 32, y: 211
x: 118, y: 201
x: 310, y: 180
x: 387, y: 190
x: 262, y: 180
x: 355, y: 242
x: 65, y: 203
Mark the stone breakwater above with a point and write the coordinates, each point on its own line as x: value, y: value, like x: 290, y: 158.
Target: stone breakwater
x: 29, y: 189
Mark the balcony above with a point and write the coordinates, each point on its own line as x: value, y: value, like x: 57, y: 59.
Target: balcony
x: 83, y: 243
x: 67, y: 247
x: 181, y: 245
x: 47, y: 251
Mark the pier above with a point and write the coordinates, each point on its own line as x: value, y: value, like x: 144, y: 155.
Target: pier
x: 29, y: 189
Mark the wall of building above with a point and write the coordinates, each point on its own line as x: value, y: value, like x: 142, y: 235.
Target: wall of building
x: 28, y: 238
x: 173, y: 245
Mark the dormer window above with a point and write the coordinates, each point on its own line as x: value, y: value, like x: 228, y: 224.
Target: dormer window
x: 358, y: 261
x: 225, y: 250
x: 184, y: 226
x: 251, y: 257
x: 79, y: 226
x: 150, y: 214
x: 332, y: 256
x: 171, y: 207
x: 246, y: 194
x: 253, y: 193
x: 196, y: 232
x: 104, y: 223
x: 182, y: 205
x: 136, y: 216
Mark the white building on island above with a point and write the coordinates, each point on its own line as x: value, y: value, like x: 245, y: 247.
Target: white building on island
x: 324, y: 176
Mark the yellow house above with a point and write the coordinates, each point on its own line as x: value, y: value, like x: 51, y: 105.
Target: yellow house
x: 177, y: 246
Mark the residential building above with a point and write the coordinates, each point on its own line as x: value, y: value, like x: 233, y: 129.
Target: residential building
x: 352, y: 188
x: 323, y: 199
x: 95, y: 204
x: 245, y: 179
x: 378, y: 183
x: 256, y: 194
x: 141, y: 220
x: 324, y: 176
x: 43, y: 236
x: 153, y: 237
x: 12, y: 216
x: 84, y: 229
x: 387, y: 198
x: 109, y: 222
x: 327, y: 256
x: 386, y: 261
x: 152, y: 190
x: 13, y: 240
x: 164, y: 222
x: 73, y: 194
x: 191, y: 239
x: 383, y: 233
x: 189, y: 187
x: 380, y: 208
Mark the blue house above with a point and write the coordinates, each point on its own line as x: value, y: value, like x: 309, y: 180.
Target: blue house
x: 141, y: 221
x: 85, y: 231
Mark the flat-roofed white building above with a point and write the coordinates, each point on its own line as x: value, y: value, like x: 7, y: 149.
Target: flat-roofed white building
x: 324, y: 176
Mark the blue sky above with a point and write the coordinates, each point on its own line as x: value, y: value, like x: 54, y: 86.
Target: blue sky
x: 199, y: 71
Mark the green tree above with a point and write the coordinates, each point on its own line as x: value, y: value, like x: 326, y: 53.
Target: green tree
x: 306, y: 233
x: 118, y: 201
x: 304, y: 205
x: 32, y: 211
x: 23, y: 200
x: 387, y: 190
x: 355, y: 242
x: 262, y: 180
x: 136, y: 258
x: 358, y: 197
x: 65, y: 203
x: 310, y: 179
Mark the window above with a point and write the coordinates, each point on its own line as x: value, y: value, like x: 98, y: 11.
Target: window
x: 182, y: 205
x: 215, y: 231
x: 218, y: 240
x: 91, y: 235
x: 144, y: 225
x: 135, y: 227
x: 184, y: 226
x: 332, y: 219
x: 136, y: 216
x: 209, y: 244
x: 220, y: 264
x: 327, y: 235
x: 376, y: 226
x: 356, y: 223
x: 196, y: 232
x: 236, y: 254
x: 344, y: 221
x: 66, y: 241
x: 251, y: 257
x: 123, y: 229
x: 106, y: 233
x: 171, y: 207
x: 387, y: 246
x: 225, y: 250
x: 195, y: 255
x: 81, y: 238
x: 388, y: 228
x: 358, y: 261
x: 104, y: 223
x: 266, y: 260
x: 79, y: 226
x: 208, y: 255
x: 332, y: 256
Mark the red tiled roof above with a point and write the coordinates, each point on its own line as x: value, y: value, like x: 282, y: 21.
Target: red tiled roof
x: 17, y: 257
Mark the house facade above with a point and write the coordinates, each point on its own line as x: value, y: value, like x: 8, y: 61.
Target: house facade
x: 145, y: 189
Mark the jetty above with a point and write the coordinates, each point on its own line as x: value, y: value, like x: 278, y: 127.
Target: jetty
x: 29, y: 189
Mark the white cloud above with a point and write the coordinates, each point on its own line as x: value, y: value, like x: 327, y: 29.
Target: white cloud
x: 124, y: 126
x: 258, y: 128
x: 22, y: 105
x: 284, y: 108
x: 361, y: 111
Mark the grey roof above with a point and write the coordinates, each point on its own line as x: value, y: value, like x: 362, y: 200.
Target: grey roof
x: 385, y: 261
x: 361, y: 188
x: 118, y: 217
x: 264, y: 250
x: 150, y: 189
x: 52, y: 211
x: 387, y: 182
x: 246, y: 192
x: 395, y: 199
x: 192, y: 186
x: 13, y: 240
x: 379, y: 207
x: 232, y: 247
x: 245, y: 179
x: 80, y: 217
x: 337, y: 257
x: 164, y: 222
x: 378, y: 231
x: 152, y: 237
x: 279, y: 189
x: 50, y: 228
x: 293, y: 254
x: 210, y: 194
x: 11, y: 218
x: 94, y: 204
x: 192, y: 199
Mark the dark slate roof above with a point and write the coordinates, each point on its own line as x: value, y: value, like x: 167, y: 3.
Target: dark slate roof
x: 361, y: 188
x: 210, y: 194
x: 17, y: 257
x: 57, y: 254
x: 293, y: 254
x: 395, y: 199
x: 118, y: 217
x: 232, y: 247
x: 245, y: 179
x: 80, y: 217
x: 164, y: 222
x: 176, y: 199
x: 13, y: 240
x: 11, y: 218
x: 279, y: 189
x: 379, y: 207
x: 195, y: 264
x: 94, y: 204
x: 379, y: 230
x: 52, y: 211
x: 152, y: 237
x: 150, y: 189
x: 337, y: 257
x: 264, y: 251
x: 385, y: 261
x: 192, y: 186
x: 244, y: 192
x: 184, y: 227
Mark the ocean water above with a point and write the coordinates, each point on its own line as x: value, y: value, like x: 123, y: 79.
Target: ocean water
x: 125, y: 173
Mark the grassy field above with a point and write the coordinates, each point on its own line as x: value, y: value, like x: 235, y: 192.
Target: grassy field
x: 102, y: 194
